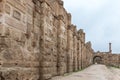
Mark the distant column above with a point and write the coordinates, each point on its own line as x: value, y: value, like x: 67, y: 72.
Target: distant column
x: 110, y: 50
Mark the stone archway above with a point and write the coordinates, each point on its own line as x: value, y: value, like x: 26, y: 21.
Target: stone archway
x: 97, y: 59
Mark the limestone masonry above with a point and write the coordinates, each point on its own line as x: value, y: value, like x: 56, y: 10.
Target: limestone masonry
x: 107, y: 58
x: 38, y: 41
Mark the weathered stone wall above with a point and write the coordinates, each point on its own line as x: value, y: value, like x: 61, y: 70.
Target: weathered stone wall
x: 108, y: 58
x: 38, y: 41
x: 19, y: 41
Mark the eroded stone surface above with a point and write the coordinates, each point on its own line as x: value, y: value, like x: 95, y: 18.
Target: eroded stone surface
x: 108, y: 58
x: 38, y: 41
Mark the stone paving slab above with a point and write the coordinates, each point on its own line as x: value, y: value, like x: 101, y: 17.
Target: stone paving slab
x: 94, y: 72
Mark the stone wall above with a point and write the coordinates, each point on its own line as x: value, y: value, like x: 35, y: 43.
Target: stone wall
x: 19, y: 41
x: 38, y: 41
x: 109, y: 59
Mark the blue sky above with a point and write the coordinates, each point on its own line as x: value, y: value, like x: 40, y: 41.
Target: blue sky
x: 100, y: 19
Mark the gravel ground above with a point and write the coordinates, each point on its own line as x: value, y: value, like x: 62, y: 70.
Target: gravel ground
x: 94, y: 72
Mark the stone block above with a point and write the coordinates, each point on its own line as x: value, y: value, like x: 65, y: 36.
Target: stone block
x: 17, y: 14
x: 15, y: 24
x: 1, y: 7
x: 1, y: 19
x: 15, y: 35
x: 4, y: 31
x: 29, y: 19
x: 7, y: 9
x: 30, y: 10
x: 46, y: 76
x: 17, y: 5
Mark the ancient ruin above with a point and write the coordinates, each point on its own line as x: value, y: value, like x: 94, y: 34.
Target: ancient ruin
x: 38, y: 41
x: 107, y: 58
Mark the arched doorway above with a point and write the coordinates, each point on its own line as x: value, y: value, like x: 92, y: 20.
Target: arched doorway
x: 97, y: 60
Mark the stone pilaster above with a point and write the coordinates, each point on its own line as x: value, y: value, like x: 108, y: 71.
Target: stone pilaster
x: 75, y: 49
x: 70, y: 49
x: 62, y: 44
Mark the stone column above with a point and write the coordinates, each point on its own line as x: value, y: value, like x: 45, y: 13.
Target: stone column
x: 79, y: 54
x: 110, y: 49
x: 70, y: 49
x: 82, y: 38
x: 45, y: 47
x: 62, y: 44
x: 75, y: 53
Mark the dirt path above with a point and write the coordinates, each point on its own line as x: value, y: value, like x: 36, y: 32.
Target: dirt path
x: 94, y: 72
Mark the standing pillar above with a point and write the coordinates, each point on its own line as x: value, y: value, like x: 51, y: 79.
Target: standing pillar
x: 110, y: 50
